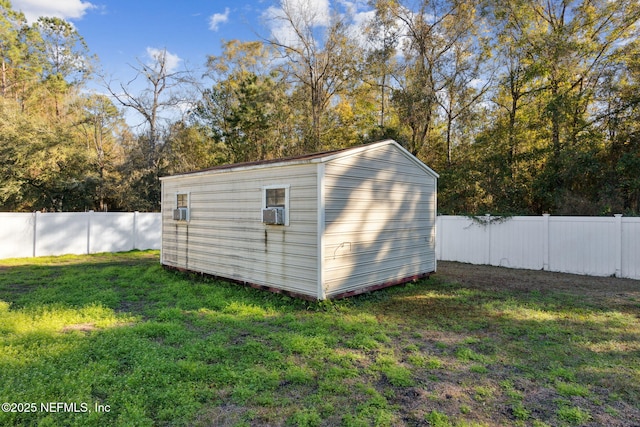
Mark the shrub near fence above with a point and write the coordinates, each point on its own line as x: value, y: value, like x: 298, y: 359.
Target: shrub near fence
x: 595, y: 246
x: 39, y: 234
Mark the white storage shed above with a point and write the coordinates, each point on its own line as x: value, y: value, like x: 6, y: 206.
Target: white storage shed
x: 317, y: 226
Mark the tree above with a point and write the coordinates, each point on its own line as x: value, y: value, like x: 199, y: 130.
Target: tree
x: 190, y: 148
x: 68, y: 62
x: 251, y: 131
x: 621, y: 156
x: 320, y: 56
x: 436, y: 34
x: 246, y: 108
x: 163, y: 94
x: 43, y: 166
x: 11, y: 47
x: 568, y: 48
x: 466, y: 80
x: 22, y: 57
x: 162, y: 97
x: 99, y: 125
x: 383, y: 34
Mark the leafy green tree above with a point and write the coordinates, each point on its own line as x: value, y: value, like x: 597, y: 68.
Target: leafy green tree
x: 45, y: 163
x: 247, y: 108
x: 11, y: 48
x: 22, y: 59
x: 68, y: 62
x: 321, y: 58
x: 43, y: 166
x: 383, y: 35
x: 191, y: 148
x: 251, y: 132
x: 99, y: 125
x: 620, y: 157
x: 555, y: 56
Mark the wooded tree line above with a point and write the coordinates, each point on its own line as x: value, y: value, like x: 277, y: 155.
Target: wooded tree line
x: 521, y: 106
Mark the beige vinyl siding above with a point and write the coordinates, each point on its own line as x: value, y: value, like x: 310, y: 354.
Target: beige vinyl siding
x: 226, y: 237
x: 379, y: 220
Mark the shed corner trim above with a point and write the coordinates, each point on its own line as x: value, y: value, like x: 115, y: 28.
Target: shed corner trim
x: 320, y: 230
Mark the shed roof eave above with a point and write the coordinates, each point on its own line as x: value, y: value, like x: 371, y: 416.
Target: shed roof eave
x: 308, y: 159
x: 238, y: 168
x: 373, y: 146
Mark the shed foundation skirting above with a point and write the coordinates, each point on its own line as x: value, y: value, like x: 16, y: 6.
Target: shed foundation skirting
x: 383, y: 285
x: 304, y: 296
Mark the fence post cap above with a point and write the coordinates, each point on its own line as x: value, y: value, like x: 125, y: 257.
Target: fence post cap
x: 617, y: 215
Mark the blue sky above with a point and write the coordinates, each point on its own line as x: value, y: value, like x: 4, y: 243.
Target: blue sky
x: 121, y: 32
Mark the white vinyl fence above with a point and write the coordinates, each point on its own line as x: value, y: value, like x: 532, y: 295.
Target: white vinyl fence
x: 595, y: 246
x: 39, y: 234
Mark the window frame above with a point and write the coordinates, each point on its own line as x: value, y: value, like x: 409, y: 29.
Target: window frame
x: 188, y: 203
x: 178, y: 205
x: 286, y: 188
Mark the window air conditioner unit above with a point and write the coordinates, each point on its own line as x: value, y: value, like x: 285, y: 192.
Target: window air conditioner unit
x: 273, y: 216
x: 180, y: 214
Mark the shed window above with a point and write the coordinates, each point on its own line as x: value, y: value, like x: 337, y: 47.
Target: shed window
x: 181, y: 212
x: 182, y: 200
x: 276, y: 198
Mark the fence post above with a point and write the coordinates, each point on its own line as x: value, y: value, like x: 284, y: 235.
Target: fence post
x: 488, y: 230
x: 618, y: 243
x: 438, y: 231
x: 545, y: 241
x: 135, y: 230
x: 35, y: 231
x: 89, y: 231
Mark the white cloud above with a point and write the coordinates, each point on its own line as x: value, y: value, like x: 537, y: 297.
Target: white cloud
x: 358, y: 28
x: 318, y: 11
x: 172, y: 60
x: 218, y: 18
x: 65, y: 9
x: 303, y: 13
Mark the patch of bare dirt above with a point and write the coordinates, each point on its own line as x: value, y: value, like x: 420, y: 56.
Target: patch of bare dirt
x: 80, y: 327
x: 610, y: 290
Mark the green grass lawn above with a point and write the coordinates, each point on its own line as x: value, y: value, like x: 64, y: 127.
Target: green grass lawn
x: 156, y: 347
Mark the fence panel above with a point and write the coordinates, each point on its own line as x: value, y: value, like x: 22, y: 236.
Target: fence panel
x: 460, y: 239
x: 16, y: 235
x: 517, y: 242
x: 582, y: 245
x: 630, y: 248
x: 148, y: 230
x: 59, y: 233
x: 596, y: 246
x: 112, y: 232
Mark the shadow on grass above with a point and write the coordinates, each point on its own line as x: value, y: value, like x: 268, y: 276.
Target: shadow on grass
x: 161, y: 347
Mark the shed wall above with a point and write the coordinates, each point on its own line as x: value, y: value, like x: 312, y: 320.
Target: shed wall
x: 380, y: 209
x: 225, y: 235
